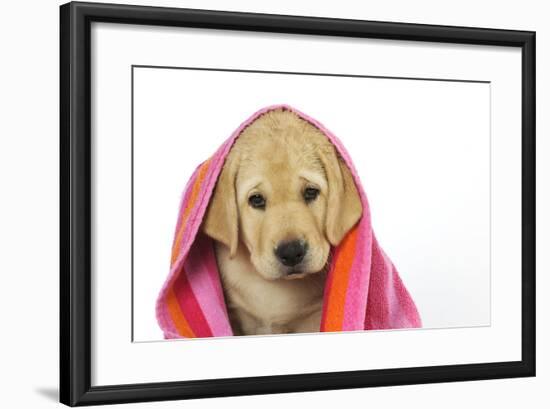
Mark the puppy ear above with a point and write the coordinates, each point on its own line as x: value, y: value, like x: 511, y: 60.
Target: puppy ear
x: 344, y: 206
x: 222, y: 219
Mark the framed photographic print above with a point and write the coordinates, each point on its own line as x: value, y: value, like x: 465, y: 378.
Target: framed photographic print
x: 257, y: 203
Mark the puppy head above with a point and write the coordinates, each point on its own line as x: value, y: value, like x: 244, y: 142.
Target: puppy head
x: 286, y: 195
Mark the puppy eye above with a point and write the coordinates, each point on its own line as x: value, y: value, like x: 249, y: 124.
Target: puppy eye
x: 310, y: 194
x: 257, y: 201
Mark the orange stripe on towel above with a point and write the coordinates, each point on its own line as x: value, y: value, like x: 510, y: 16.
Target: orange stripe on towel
x: 188, y: 206
x: 177, y: 316
x: 334, y: 317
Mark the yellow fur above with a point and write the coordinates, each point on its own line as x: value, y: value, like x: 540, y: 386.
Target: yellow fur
x: 278, y: 156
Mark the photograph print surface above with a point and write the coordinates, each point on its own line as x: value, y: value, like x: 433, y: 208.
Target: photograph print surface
x: 276, y: 203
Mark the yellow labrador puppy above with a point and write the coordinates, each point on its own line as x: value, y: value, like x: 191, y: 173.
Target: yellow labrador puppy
x: 282, y: 199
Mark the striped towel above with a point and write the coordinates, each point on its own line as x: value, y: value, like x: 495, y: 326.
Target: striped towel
x: 363, y: 289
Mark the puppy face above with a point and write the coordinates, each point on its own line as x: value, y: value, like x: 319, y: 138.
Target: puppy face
x: 285, y: 195
x: 281, y: 197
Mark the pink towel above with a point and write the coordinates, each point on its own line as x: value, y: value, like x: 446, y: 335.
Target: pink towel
x: 363, y: 289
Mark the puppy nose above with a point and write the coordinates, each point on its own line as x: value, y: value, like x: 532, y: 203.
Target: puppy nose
x: 292, y: 252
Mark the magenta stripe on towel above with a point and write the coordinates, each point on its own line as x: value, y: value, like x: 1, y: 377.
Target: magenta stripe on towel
x: 200, y: 280
x: 185, y: 199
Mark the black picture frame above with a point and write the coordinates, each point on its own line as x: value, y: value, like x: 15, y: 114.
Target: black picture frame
x: 75, y: 203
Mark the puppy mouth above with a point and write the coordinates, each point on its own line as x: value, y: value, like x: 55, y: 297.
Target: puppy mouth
x: 300, y: 271
x: 296, y: 274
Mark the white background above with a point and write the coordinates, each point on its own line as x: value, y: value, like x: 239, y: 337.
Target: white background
x: 29, y: 178
x: 421, y: 149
